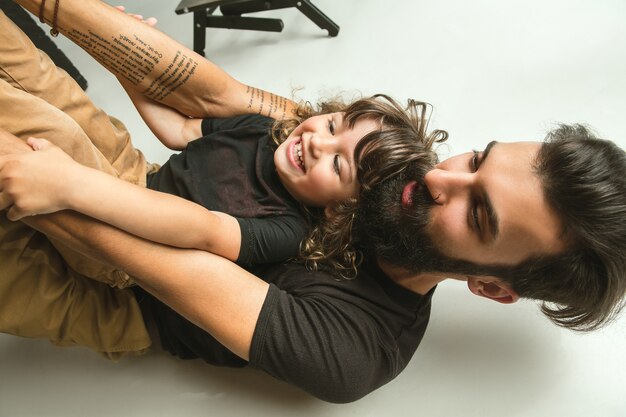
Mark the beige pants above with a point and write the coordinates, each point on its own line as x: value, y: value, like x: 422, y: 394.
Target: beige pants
x: 43, y: 289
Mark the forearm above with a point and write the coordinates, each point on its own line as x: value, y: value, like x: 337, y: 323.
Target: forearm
x: 171, y: 127
x: 210, y: 291
x: 152, y: 215
x: 156, y: 65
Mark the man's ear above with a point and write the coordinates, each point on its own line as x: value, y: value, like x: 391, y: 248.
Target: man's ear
x: 492, y: 288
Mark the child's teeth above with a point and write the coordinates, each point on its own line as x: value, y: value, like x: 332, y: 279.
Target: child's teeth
x: 298, y: 149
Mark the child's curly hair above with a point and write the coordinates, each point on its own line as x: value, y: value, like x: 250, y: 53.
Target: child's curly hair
x: 401, y: 140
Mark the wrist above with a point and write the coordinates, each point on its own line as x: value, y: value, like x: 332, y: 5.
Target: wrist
x: 74, y: 186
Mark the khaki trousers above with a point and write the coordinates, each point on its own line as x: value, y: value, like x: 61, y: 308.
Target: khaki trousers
x: 44, y: 292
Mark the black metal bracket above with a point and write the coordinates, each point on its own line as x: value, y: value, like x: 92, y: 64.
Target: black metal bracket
x: 233, y: 9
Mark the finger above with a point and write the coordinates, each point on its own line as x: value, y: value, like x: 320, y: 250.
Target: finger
x: 38, y: 144
x: 151, y: 21
x: 120, y: 8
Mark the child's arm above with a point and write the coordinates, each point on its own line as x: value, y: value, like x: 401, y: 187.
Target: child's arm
x: 149, y: 214
x: 156, y: 65
x: 171, y: 127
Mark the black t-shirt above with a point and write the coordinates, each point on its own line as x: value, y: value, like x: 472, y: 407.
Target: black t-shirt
x: 231, y: 169
x: 338, y: 340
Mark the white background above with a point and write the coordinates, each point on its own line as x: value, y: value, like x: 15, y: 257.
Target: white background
x: 505, y: 70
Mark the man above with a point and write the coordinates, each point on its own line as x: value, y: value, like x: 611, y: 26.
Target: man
x: 548, y: 219
x: 340, y: 340
x: 324, y: 335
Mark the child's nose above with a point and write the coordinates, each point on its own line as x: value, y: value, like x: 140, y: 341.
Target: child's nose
x: 319, y: 145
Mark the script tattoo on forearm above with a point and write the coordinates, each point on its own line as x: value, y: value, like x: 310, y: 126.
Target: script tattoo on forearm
x: 257, y: 98
x: 135, y: 60
x: 276, y: 109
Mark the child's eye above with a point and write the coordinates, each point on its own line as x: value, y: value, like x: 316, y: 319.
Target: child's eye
x: 331, y: 126
x: 336, y: 165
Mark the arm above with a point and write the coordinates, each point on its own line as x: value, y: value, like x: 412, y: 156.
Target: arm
x: 156, y: 65
x: 210, y: 291
x: 171, y: 127
x: 49, y: 180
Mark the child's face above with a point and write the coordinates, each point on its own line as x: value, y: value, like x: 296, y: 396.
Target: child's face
x: 316, y: 162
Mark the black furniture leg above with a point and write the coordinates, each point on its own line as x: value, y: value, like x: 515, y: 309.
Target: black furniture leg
x: 232, y: 18
x: 199, y: 30
x: 317, y: 17
x: 249, y: 23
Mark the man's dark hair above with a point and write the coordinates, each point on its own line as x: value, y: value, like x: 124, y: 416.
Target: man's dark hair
x: 584, y: 181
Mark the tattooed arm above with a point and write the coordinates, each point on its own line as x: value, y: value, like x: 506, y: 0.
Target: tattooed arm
x: 156, y: 65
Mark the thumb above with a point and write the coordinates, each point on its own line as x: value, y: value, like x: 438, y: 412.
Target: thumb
x: 14, y: 214
x: 38, y: 144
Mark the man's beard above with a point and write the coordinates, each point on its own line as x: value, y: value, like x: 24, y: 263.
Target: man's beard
x: 399, y: 236
x: 396, y: 234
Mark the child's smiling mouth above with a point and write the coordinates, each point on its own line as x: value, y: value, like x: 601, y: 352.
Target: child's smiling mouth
x: 298, y: 154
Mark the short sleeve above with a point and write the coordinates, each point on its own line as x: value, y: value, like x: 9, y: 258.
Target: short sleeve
x: 270, y: 239
x: 326, y: 347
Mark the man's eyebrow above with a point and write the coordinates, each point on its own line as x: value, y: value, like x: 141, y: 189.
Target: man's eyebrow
x: 492, y: 216
x: 487, y: 150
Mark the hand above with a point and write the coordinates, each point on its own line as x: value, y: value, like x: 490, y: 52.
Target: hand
x: 36, y: 182
x: 151, y: 21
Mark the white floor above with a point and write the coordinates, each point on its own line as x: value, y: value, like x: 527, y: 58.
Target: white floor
x: 494, y: 70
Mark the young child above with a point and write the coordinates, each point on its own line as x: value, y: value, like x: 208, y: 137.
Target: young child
x: 263, y: 199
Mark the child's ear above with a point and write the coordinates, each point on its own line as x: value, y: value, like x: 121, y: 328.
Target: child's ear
x: 328, y: 211
x: 492, y: 288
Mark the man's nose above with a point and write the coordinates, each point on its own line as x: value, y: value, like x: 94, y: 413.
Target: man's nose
x: 444, y: 185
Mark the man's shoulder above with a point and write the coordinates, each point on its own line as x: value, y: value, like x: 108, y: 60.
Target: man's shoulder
x: 374, y: 332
